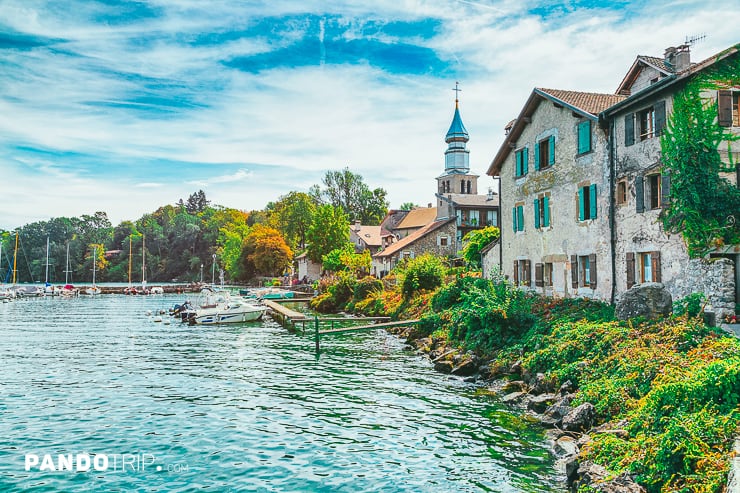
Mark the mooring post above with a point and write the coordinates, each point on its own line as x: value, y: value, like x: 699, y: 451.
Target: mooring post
x: 316, y: 331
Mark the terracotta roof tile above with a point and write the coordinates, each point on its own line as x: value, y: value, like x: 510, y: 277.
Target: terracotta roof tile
x: 590, y: 102
x: 371, y: 235
x: 416, y: 218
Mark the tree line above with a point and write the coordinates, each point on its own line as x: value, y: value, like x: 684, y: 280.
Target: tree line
x: 193, y: 239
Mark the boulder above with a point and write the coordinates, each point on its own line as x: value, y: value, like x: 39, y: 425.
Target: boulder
x: 514, y: 386
x: 566, y: 388
x: 513, y: 397
x: 466, y: 368
x: 443, y: 366
x: 553, y: 415
x: 565, y: 446
x: 580, y: 418
x: 539, y: 403
x: 650, y: 300
x: 542, y: 385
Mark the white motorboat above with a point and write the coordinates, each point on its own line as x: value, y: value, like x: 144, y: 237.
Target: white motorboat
x: 218, y: 307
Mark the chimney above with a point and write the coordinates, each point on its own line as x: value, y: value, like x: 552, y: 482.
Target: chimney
x: 678, y: 58
x: 357, y: 224
x: 429, y: 205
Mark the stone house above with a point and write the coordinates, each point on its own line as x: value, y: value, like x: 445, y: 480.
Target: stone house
x: 435, y: 237
x: 644, y: 252
x: 617, y: 189
x: 370, y: 238
x: 554, y: 180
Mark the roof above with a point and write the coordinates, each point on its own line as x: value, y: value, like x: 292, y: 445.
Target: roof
x: 670, y: 80
x: 416, y: 235
x: 457, y: 130
x: 464, y: 199
x: 416, y: 218
x: 634, y: 71
x: 586, y: 104
x: 590, y: 102
x: 371, y: 235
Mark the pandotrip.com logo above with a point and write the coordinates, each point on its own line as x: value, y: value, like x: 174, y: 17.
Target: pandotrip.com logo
x: 111, y: 463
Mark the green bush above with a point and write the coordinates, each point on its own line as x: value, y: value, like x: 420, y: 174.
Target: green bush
x: 691, y: 305
x: 423, y: 272
x: 365, y: 287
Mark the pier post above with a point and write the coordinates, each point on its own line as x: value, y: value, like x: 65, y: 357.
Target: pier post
x: 316, y: 331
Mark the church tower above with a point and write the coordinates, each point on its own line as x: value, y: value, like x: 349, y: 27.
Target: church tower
x: 456, y: 179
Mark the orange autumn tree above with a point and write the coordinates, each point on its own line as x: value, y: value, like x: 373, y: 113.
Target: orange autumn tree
x: 264, y: 253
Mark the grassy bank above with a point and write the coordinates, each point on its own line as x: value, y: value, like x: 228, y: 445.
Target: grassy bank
x: 671, y: 387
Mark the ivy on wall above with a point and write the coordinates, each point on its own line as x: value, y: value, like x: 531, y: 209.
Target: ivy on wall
x: 704, y: 207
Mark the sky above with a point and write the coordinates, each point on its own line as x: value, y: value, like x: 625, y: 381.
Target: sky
x: 125, y: 106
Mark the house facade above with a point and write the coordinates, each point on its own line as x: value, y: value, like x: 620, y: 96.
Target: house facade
x: 598, y: 200
x: 644, y: 251
x: 435, y: 238
x: 554, y: 185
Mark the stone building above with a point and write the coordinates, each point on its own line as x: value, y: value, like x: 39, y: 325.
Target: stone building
x: 644, y: 252
x: 370, y: 238
x: 554, y: 185
x: 436, y: 238
x: 598, y: 200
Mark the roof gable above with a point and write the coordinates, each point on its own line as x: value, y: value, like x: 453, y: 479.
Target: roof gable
x: 416, y: 218
x: 586, y: 104
x: 638, y: 66
x: 413, y: 237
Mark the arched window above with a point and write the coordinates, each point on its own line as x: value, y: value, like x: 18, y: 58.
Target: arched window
x: 462, y: 186
x: 469, y: 186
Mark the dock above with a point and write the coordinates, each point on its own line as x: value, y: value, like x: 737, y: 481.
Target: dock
x: 284, y: 314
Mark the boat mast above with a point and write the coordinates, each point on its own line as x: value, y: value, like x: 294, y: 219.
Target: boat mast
x: 15, y: 258
x: 95, y: 261
x: 66, y: 267
x: 129, y: 260
x: 143, y: 260
x: 46, y: 281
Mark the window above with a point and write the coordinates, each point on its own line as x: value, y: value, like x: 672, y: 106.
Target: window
x: 621, y: 192
x: 653, y: 191
x: 522, y: 273
x: 584, y: 137
x: 544, y: 153
x: 474, y: 218
x: 491, y: 218
x: 647, y: 123
x: 587, y: 204
x: 462, y: 186
x: 458, y: 217
x: 542, y: 211
x: 469, y: 187
x: 728, y: 106
x: 517, y: 213
x: 583, y: 271
x: 547, y: 274
x: 647, y: 265
x: 443, y: 241
x: 543, y: 274
x: 522, y: 162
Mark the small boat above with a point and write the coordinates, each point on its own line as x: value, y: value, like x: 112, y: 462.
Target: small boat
x: 218, y: 307
x: 93, y: 290
x: 156, y: 290
x: 266, y: 293
x: 28, y: 291
x: 69, y: 291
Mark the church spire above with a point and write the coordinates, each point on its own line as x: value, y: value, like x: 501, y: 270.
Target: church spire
x: 456, y: 155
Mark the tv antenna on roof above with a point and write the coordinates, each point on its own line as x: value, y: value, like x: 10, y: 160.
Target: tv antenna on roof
x: 692, y: 40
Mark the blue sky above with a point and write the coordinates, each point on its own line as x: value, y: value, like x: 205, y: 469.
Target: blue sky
x: 123, y: 106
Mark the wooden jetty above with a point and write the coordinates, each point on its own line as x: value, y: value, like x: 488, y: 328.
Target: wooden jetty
x: 383, y: 325
x: 283, y: 314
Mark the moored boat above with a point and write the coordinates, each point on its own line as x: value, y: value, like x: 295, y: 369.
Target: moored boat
x: 218, y: 307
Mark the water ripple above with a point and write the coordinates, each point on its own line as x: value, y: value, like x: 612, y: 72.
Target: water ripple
x: 243, y: 408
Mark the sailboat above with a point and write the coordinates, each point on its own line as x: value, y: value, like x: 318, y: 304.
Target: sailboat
x: 93, y: 290
x: 6, y: 294
x: 68, y: 290
x: 48, y: 288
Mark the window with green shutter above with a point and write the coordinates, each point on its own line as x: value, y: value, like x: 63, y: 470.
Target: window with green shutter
x: 520, y: 217
x: 521, y: 160
x: 551, y: 149
x: 513, y: 220
x: 537, y: 213
x: 546, y: 211
x: 587, y: 202
x: 584, y: 137
x: 544, y: 155
x: 542, y: 211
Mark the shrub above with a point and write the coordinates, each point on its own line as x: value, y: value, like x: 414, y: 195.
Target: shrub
x: 423, y: 272
x: 365, y: 286
x: 691, y: 305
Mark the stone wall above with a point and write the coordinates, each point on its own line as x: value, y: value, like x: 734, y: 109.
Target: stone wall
x: 715, y: 278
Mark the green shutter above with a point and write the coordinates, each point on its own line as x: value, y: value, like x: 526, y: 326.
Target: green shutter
x: 546, y: 208
x: 592, y: 200
x: 525, y: 161
x: 536, y: 213
x: 537, y: 156
x: 581, y: 205
x: 513, y: 218
x: 518, y: 171
x: 552, y: 150
x: 520, y: 217
x: 584, y: 137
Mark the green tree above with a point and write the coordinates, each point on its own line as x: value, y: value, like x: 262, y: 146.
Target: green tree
x: 329, y: 230
x: 265, y: 252
x: 702, y: 202
x: 407, y: 206
x: 426, y: 271
x: 292, y: 215
x: 477, y: 240
x: 348, y: 191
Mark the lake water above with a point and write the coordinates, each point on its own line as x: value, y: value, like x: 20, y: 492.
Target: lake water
x: 177, y: 408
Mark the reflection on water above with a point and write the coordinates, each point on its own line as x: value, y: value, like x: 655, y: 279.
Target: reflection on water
x: 241, y: 408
